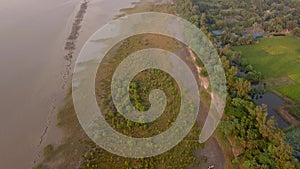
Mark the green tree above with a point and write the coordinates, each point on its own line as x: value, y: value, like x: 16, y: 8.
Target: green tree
x: 296, y: 32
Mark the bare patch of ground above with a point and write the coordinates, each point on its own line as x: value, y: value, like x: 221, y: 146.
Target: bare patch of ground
x: 211, y: 155
x: 284, y: 113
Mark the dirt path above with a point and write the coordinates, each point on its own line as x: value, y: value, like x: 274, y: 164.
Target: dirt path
x: 213, y: 154
x: 204, y: 80
x: 212, y: 150
x: 284, y: 113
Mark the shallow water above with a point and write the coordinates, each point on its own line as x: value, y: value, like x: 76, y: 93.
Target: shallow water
x: 273, y: 101
x: 32, y: 65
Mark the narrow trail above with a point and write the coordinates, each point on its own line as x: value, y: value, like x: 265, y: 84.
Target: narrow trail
x: 204, y: 80
x: 70, y: 46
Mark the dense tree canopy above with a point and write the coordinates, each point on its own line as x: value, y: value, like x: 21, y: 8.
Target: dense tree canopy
x: 238, y: 19
x: 263, y: 144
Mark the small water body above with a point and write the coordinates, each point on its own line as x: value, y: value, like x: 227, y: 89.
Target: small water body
x: 270, y: 99
x: 273, y: 101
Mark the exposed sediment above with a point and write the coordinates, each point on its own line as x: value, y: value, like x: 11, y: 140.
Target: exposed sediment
x: 70, y: 44
x: 204, y: 80
x: 45, y: 130
x: 285, y: 114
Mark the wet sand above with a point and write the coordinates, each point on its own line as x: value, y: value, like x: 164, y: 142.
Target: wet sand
x: 34, y: 71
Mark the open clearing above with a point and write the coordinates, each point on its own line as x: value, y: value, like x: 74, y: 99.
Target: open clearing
x: 276, y: 58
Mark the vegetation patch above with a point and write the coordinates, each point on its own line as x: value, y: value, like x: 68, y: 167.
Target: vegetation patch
x: 273, y: 57
x: 277, y: 59
x: 292, y: 91
x: 78, y: 151
x: 293, y: 138
x: 295, y: 110
x: 295, y: 77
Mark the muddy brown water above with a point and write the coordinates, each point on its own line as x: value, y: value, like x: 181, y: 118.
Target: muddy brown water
x: 32, y: 70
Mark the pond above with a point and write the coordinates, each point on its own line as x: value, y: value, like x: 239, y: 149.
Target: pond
x: 270, y: 99
x: 273, y: 101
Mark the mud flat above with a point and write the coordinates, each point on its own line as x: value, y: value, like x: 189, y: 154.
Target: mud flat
x: 37, y: 38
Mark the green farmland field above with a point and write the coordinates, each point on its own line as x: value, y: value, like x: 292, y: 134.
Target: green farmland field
x: 295, y: 77
x: 292, y: 91
x: 276, y: 57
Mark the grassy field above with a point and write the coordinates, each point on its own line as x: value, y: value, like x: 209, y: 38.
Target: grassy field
x: 292, y: 91
x: 295, y: 77
x: 277, y: 58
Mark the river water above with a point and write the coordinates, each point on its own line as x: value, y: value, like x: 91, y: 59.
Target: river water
x: 32, y: 69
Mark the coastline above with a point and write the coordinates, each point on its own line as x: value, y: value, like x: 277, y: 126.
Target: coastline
x: 69, y: 47
x: 52, y: 150
x: 36, y: 69
x: 33, y: 65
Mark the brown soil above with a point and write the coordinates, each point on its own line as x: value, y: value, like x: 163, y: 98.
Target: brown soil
x: 213, y: 153
x: 204, y: 80
x: 236, y: 150
x: 284, y: 113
